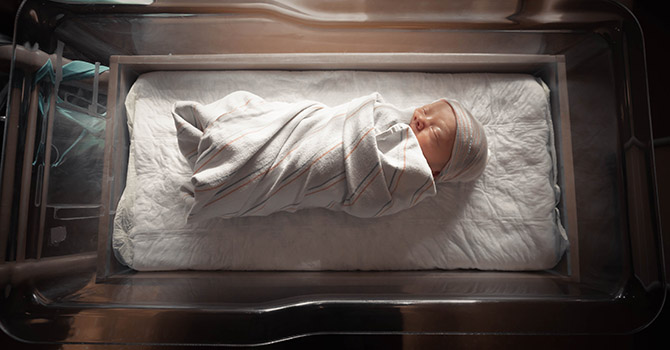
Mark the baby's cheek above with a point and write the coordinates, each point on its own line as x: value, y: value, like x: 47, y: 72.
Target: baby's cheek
x: 422, y: 142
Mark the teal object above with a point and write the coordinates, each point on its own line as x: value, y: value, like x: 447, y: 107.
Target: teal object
x: 75, y: 70
x: 91, y: 123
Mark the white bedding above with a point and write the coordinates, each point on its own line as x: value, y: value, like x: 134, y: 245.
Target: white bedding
x: 505, y: 220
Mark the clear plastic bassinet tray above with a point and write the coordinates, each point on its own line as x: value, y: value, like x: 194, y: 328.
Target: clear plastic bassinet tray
x: 70, y: 274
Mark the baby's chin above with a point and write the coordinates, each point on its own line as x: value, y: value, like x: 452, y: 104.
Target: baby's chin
x: 439, y: 167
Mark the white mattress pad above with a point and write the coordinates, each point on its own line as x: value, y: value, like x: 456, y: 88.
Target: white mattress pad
x: 505, y: 220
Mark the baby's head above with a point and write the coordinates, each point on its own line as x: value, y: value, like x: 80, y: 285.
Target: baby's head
x: 452, y: 141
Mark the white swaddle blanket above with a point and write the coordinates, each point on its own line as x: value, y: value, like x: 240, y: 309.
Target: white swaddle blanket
x: 252, y: 157
x: 505, y: 220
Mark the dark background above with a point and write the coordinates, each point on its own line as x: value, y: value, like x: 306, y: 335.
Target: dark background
x: 656, y: 29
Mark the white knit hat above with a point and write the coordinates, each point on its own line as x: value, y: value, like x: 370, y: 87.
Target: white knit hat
x: 470, y: 152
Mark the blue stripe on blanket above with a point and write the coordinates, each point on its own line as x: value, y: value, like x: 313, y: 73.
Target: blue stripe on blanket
x: 362, y: 182
x: 326, y: 182
x: 403, y: 137
x: 254, y: 172
x: 384, y: 207
x: 419, y: 190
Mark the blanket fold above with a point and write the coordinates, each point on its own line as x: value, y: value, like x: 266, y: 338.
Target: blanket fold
x: 252, y: 157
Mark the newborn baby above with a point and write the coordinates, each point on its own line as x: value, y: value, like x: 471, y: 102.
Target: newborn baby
x: 365, y: 157
x: 452, y: 141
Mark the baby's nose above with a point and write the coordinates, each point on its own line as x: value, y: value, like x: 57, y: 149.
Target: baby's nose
x: 419, y: 122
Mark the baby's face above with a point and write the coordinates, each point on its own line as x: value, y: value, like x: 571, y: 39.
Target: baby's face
x: 435, y: 127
